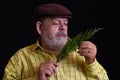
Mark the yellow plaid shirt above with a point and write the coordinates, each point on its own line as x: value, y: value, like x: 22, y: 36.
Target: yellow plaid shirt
x: 24, y: 65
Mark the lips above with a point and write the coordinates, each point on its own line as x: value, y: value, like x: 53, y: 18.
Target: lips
x: 61, y: 34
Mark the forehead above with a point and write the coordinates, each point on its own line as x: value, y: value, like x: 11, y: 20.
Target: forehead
x: 58, y: 19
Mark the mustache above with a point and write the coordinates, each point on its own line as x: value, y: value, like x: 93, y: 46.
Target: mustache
x: 61, y: 33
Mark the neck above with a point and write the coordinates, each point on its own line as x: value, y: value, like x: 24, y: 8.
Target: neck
x: 54, y: 49
x: 55, y: 52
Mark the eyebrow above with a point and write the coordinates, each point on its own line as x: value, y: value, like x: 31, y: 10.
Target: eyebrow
x: 59, y: 20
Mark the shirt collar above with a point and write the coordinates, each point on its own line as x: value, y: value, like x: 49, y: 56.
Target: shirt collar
x: 37, y: 45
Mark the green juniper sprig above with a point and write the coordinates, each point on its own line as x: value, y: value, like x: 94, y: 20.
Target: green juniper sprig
x: 72, y: 44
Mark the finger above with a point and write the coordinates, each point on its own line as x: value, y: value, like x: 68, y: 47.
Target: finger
x: 87, y: 44
x: 51, y: 66
x: 46, y: 69
x: 48, y: 72
x: 42, y: 76
x: 56, y: 64
x: 85, y: 50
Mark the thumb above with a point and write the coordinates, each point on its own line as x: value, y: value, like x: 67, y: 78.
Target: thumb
x: 42, y: 76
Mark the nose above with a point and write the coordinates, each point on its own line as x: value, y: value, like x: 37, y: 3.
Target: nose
x: 62, y: 27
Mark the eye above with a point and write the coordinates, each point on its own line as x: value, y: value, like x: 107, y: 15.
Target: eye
x: 55, y: 23
x: 66, y: 23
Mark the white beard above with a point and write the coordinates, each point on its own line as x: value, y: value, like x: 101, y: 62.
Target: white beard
x: 55, y: 43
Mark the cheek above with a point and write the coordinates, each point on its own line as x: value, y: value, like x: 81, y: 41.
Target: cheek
x: 51, y: 32
x: 66, y: 29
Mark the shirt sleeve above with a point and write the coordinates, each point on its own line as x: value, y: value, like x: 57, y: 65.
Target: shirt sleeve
x: 95, y: 71
x: 12, y: 69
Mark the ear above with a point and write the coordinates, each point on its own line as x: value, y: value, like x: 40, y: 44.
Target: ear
x: 38, y: 27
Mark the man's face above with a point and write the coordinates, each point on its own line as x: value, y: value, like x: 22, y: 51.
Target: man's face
x: 54, y: 31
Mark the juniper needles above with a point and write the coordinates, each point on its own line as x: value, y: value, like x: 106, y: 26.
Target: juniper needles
x: 72, y: 44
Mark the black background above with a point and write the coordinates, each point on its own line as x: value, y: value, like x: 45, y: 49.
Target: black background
x: 17, y: 28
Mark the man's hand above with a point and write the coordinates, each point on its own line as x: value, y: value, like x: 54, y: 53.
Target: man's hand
x: 88, y: 50
x: 47, y: 69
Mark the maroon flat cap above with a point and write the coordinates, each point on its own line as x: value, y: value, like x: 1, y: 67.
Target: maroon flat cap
x: 52, y: 10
